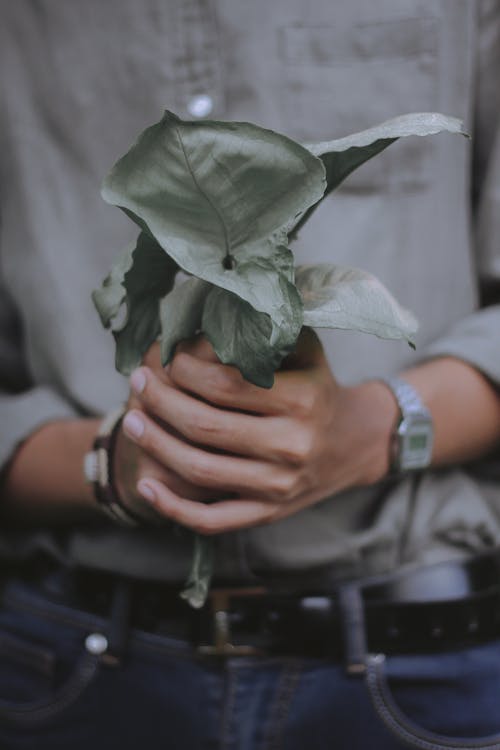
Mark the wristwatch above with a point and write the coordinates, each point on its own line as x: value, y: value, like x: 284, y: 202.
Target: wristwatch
x: 411, y: 444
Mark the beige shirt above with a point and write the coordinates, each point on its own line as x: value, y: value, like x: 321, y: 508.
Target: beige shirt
x: 79, y: 80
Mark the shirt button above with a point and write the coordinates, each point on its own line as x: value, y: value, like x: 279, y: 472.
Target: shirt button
x: 200, y: 105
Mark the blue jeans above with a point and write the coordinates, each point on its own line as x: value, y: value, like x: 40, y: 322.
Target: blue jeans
x: 55, y: 694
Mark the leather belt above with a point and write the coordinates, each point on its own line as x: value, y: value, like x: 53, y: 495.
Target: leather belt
x: 315, y: 626
x: 433, y: 608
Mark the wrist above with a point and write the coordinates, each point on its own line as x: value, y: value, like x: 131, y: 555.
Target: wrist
x: 44, y: 480
x: 376, y: 413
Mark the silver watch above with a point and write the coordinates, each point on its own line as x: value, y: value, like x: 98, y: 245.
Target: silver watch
x: 411, y: 446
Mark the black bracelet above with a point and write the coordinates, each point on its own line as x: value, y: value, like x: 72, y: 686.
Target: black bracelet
x: 98, y: 470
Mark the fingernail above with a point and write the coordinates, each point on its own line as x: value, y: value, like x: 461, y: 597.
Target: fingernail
x: 146, y: 491
x: 138, y: 380
x: 133, y: 425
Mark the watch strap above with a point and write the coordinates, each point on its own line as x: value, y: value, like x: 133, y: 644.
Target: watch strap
x: 411, y: 444
x: 409, y: 401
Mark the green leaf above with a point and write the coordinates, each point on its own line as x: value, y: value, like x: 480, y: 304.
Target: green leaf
x: 248, y: 339
x: 150, y: 276
x: 336, y: 297
x: 181, y: 313
x: 200, y: 575
x: 216, y: 196
x: 343, y: 155
x: 110, y: 297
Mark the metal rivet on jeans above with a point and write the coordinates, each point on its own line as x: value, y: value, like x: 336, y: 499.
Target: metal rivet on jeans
x: 96, y: 643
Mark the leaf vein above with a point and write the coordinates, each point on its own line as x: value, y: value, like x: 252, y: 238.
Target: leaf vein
x: 204, y: 194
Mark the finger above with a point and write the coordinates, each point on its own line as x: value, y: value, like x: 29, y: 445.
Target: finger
x: 180, y: 487
x: 223, y: 516
x: 224, y: 386
x: 152, y: 359
x: 308, y: 350
x: 211, y: 470
x: 130, y: 463
x: 199, y: 347
x: 243, y: 434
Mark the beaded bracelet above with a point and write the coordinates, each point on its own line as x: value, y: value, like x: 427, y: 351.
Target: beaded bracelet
x: 98, y: 470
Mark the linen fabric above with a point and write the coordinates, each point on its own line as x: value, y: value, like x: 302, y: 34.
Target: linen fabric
x: 79, y: 81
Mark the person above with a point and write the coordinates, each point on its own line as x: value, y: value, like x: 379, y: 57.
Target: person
x: 355, y: 603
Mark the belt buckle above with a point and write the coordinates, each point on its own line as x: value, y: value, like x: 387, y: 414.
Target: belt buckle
x: 219, y: 600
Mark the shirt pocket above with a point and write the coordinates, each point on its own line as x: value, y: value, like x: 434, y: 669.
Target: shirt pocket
x: 342, y: 79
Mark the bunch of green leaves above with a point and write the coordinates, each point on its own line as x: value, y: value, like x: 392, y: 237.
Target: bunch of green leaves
x: 222, y: 201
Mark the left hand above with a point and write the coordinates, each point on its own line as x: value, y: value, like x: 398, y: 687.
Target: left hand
x: 273, y: 452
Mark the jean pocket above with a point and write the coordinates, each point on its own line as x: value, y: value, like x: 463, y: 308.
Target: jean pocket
x: 439, y: 701
x: 40, y: 677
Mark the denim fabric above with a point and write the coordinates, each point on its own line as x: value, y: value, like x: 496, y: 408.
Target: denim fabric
x: 56, y: 695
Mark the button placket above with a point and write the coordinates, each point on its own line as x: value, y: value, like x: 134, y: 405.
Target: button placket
x: 197, y: 64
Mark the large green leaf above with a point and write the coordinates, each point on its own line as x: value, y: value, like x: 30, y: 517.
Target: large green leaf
x: 243, y: 337
x: 140, y: 284
x: 181, y: 312
x: 215, y: 195
x: 336, y: 297
x: 343, y: 155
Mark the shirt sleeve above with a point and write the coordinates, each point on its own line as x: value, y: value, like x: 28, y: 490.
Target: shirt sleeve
x: 476, y: 339
x: 23, y: 406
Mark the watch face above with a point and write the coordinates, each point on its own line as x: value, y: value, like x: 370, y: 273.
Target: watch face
x: 415, y: 442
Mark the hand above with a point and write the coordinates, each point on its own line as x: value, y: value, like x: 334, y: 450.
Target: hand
x: 131, y: 461
x: 274, y: 451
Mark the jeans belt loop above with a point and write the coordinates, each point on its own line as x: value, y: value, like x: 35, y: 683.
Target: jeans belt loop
x: 352, y: 618
x: 220, y: 604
